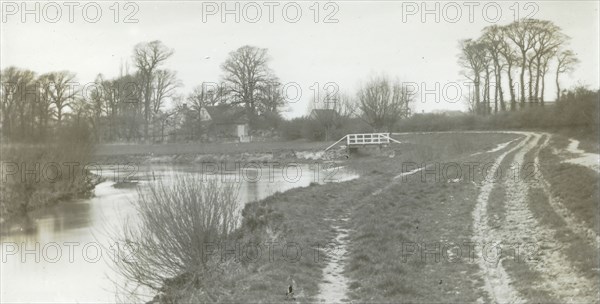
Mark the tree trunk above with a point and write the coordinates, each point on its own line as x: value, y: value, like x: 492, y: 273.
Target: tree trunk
x: 542, y: 92
x: 557, y: 87
x: 477, y: 93
x: 537, y: 78
x: 500, y: 91
x: 496, y: 91
x: 58, y: 116
x: 487, y: 91
x: 511, y: 89
x: 530, y: 84
x: 147, y: 111
x: 523, y: 63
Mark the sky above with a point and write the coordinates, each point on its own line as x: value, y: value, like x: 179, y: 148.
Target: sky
x: 327, y: 46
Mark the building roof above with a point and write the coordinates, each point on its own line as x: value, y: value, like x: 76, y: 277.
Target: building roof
x: 227, y: 114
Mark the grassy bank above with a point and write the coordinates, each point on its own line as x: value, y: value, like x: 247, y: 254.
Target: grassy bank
x: 409, y: 237
x: 35, y: 176
x: 402, y: 211
x: 411, y: 240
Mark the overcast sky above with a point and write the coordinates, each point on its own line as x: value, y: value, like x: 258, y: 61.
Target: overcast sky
x: 369, y: 38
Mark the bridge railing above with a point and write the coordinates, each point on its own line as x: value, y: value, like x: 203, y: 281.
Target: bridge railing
x: 368, y: 138
x: 365, y: 139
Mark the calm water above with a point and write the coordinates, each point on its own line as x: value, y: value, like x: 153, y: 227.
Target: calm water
x: 60, y: 254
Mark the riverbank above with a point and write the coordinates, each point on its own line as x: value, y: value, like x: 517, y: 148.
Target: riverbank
x: 407, y: 229
x: 202, y: 153
x: 40, y: 175
x: 311, y: 218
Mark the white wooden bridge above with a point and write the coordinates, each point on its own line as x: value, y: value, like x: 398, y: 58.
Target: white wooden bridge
x: 354, y: 140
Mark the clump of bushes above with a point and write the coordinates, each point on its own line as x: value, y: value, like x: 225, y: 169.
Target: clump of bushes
x: 38, y: 175
x: 181, y: 223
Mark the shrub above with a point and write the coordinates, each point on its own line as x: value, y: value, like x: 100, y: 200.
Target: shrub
x: 179, y: 222
x: 37, y: 175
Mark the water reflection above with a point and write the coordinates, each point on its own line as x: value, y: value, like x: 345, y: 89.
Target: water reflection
x: 56, y: 254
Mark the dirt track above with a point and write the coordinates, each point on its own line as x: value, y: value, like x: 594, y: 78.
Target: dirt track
x: 559, y: 279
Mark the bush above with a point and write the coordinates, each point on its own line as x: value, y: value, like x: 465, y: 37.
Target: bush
x: 178, y: 222
x: 37, y: 175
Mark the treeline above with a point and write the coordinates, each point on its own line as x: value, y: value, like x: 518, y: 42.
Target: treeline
x: 515, y: 58
x: 507, y: 65
x: 137, y: 105
x: 576, y: 113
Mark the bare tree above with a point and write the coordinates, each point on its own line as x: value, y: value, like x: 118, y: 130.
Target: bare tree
x: 164, y: 87
x: 18, y: 99
x: 511, y: 58
x: 548, y: 38
x: 493, y: 39
x: 204, y: 95
x: 528, y: 43
x: 384, y: 103
x: 245, y: 73
x: 44, y: 109
x: 83, y: 113
x: 96, y: 106
x: 346, y: 105
x: 472, y: 58
x: 62, y: 91
x: 487, y: 63
x: 271, y: 97
x: 111, y: 105
x: 566, y: 61
x: 148, y: 57
x: 520, y: 34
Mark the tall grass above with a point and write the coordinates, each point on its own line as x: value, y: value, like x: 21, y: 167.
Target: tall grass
x: 178, y: 222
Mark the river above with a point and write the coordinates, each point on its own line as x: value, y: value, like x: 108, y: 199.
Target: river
x: 60, y: 253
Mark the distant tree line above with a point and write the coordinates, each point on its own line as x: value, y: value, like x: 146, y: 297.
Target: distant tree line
x: 524, y: 51
x: 507, y: 65
x: 378, y: 105
x: 137, y: 105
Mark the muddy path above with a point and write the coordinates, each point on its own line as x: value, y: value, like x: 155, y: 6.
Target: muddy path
x: 556, y: 276
x: 559, y: 279
x: 497, y: 283
x: 334, y: 285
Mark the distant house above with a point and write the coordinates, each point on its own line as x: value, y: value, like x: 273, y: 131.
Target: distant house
x: 227, y: 122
